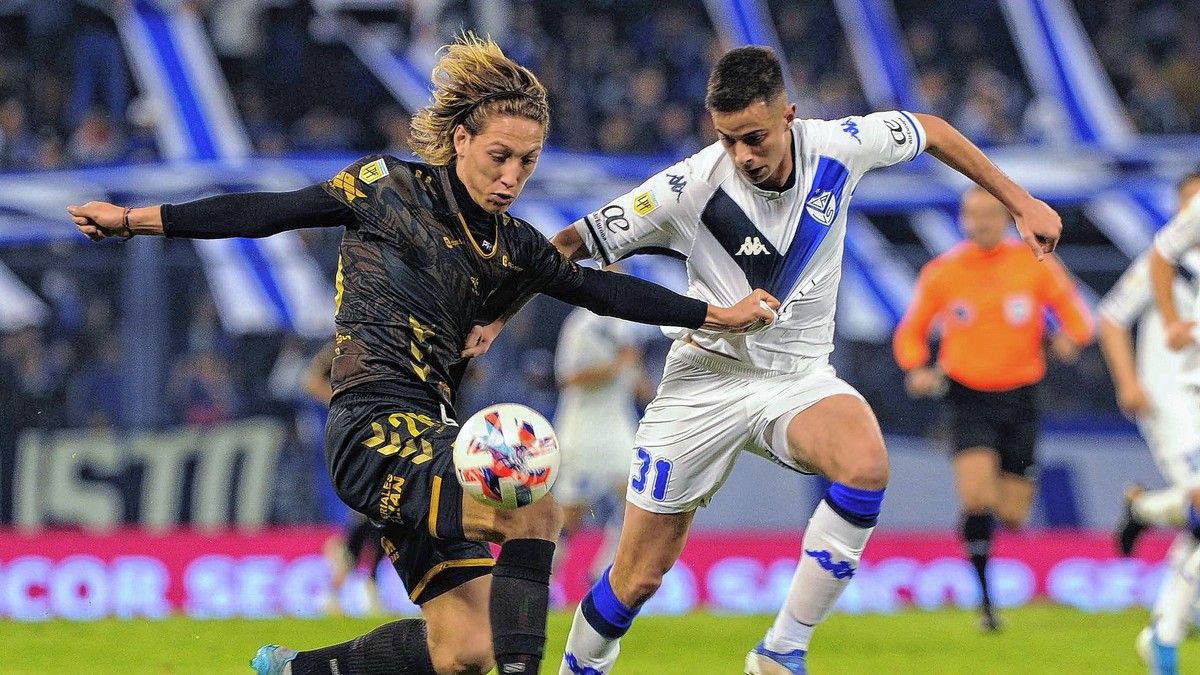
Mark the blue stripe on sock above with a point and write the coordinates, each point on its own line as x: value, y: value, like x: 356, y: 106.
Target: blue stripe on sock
x: 858, y: 506
x: 608, y: 615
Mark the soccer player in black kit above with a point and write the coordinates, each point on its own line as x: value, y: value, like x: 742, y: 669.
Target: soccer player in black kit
x: 429, y: 254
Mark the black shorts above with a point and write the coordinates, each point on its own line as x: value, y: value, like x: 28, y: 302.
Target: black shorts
x: 392, y: 459
x: 1006, y: 421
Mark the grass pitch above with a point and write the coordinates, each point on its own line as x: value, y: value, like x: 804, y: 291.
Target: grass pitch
x: 1039, y: 639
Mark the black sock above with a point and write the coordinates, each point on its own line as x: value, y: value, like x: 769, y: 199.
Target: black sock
x: 520, y: 596
x: 977, y: 533
x: 396, y: 648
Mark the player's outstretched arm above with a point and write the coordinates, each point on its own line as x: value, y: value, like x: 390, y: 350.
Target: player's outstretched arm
x: 627, y: 297
x: 251, y: 214
x: 1039, y: 226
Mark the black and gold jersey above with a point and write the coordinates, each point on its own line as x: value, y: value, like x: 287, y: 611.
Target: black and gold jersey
x: 419, y: 266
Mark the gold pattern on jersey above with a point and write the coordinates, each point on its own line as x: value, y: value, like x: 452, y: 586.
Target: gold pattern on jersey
x: 345, y: 182
x: 420, y: 331
x: 339, y: 285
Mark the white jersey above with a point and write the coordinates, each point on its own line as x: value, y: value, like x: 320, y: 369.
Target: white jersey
x: 596, y: 415
x: 737, y: 237
x: 1179, y: 242
x: 1130, y: 301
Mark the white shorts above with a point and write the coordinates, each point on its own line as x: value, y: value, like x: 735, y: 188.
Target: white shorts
x: 1172, y: 431
x: 707, y: 411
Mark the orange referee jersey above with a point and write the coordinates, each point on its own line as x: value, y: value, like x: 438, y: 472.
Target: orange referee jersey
x: 989, y: 304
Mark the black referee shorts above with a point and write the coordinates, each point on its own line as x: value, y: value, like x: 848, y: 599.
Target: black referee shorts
x: 1007, y: 421
x: 392, y: 459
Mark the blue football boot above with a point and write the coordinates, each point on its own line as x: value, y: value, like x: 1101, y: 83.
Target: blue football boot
x: 272, y: 659
x: 763, y: 661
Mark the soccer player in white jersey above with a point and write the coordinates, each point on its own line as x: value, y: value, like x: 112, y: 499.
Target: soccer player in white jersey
x: 1167, y: 402
x: 598, y: 364
x: 764, y: 207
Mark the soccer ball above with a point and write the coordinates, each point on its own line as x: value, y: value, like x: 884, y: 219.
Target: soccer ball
x: 506, y: 456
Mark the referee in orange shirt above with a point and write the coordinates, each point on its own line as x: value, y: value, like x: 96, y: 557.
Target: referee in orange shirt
x: 988, y: 295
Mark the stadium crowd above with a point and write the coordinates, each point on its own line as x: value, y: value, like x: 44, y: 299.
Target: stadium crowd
x: 68, y: 99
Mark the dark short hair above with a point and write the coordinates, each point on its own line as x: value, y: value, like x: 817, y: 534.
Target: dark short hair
x: 1188, y: 177
x: 743, y: 76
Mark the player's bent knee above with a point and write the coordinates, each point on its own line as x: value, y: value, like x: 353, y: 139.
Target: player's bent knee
x: 867, y: 470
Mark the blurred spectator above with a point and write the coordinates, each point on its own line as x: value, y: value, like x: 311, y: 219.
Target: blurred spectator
x: 200, y: 391
x: 96, y: 141
x: 18, y: 147
x: 1151, y: 104
x: 323, y: 129
x: 99, y: 66
x: 392, y: 124
x: 94, y: 397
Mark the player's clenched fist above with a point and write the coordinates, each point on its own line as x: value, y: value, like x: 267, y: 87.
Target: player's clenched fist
x: 99, y: 220
x: 751, y: 313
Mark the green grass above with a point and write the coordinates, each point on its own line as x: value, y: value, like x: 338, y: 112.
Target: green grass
x: 1038, y: 639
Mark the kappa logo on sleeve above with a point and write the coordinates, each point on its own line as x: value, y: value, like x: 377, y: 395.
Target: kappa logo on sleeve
x: 644, y: 203
x: 372, y: 172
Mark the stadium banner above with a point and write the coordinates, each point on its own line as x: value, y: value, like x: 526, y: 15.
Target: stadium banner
x: 280, y: 572
x: 210, y: 477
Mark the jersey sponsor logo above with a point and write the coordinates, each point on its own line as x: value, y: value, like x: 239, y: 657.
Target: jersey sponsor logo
x: 644, y: 203
x: 752, y: 246
x: 898, y: 131
x: 851, y: 128
x: 389, y: 497
x: 677, y: 185
x: 841, y: 569
x: 451, y: 243
x: 614, y: 218
x: 373, y: 171
x: 822, y: 206
x: 1018, y: 309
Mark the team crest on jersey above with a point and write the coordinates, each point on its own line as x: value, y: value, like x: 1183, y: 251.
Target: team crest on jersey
x: 644, y: 203
x: 822, y: 206
x: 373, y: 171
x: 1018, y: 309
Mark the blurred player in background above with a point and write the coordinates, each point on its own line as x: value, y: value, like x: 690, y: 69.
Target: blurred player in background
x: 1166, y: 400
x: 598, y: 364
x: 359, y: 547
x: 763, y: 207
x: 429, y: 251
x: 989, y: 297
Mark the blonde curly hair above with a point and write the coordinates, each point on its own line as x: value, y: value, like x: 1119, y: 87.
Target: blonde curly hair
x: 473, y: 81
